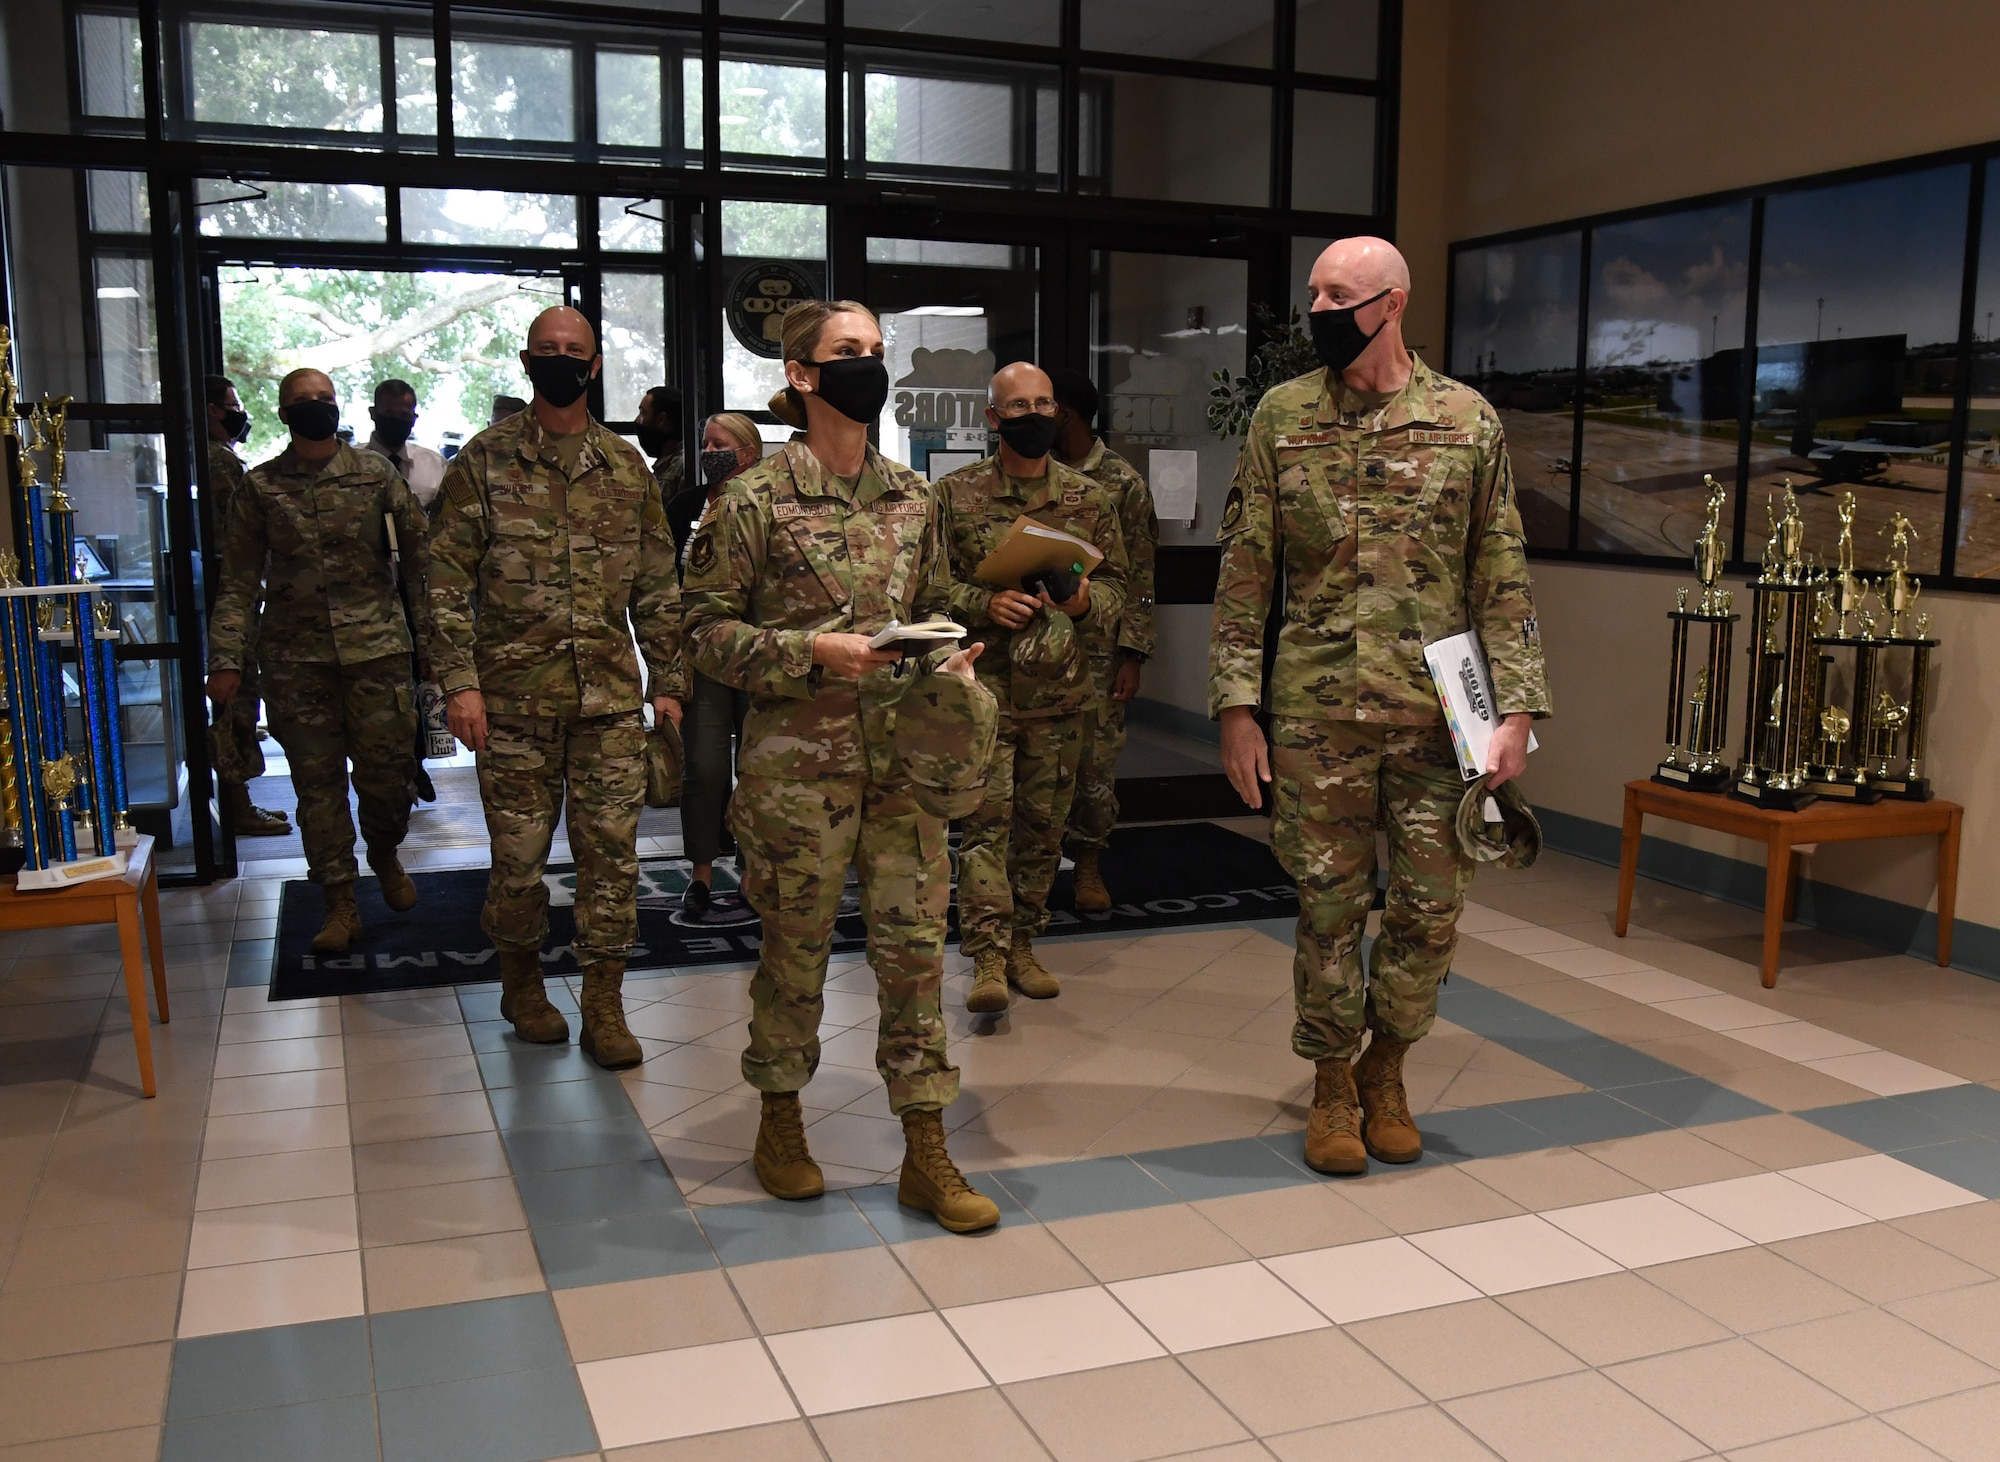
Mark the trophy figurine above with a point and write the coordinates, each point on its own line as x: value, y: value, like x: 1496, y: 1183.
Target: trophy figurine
x: 1696, y: 762
x: 1782, y: 710
x: 1834, y: 724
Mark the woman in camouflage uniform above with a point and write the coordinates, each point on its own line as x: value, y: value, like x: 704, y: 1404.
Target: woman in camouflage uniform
x: 803, y: 558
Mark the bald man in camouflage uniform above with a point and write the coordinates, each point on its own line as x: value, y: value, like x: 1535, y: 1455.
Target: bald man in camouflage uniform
x: 1385, y: 491
x: 306, y: 536
x: 1093, y: 812
x: 549, y: 548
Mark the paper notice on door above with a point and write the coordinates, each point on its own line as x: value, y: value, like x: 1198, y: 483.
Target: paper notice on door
x: 942, y: 462
x: 100, y: 485
x: 1171, y: 476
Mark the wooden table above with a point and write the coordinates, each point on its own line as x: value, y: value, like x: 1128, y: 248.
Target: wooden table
x: 1783, y: 832
x: 121, y: 901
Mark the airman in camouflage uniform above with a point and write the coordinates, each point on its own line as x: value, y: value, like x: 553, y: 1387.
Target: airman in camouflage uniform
x: 1391, y: 507
x: 1094, y: 810
x: 226, y: 424
x: 793, y: 569
x: 306, y: 534
x: 1010, y: 846
x: 548, y: 549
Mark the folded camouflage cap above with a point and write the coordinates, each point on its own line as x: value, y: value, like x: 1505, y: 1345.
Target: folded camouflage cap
x: 945, y: 729
x: 232, y: 748
x: 1515, y: 841
x: 663, y: 764
x: 1048, y: 649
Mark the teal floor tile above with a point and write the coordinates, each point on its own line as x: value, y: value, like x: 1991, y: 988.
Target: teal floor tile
x: 1291, y: 1146
x: 559, y: 1103
x: 1089, y: 1185
x: 1221, y: 1169
x: 1884, y: 1123
x: 458, y: 1342
x: 517, y: 1063
x: 899, y: 1225
x: 748, y: 1233
x: 250, y: 962
x: 1475, y: 1132
x: 577, y: 1195
x: 279, y: 1366
x: 1579, y: 1117
x: 579, y: 1144
x: 636, y: 1246
x: 1971, y: 1162
x: 1690, y: 1101
x: 1602, y: 1065
x: 525, y: 1416
x: 314, y: 1431
x: 1973, y: 1107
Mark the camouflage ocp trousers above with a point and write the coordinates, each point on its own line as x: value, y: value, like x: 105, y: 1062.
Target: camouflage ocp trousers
x: 1010, y: 846
x: 243, y: 710
x: 797, y: 840
x: 1333, y: 783
x: 327, y: 715
x: 529, y: 764
x: 1094, y: 811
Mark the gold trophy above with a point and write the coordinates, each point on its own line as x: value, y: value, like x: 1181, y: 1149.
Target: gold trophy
x: 1698, y: 763
x: 1785, y: 671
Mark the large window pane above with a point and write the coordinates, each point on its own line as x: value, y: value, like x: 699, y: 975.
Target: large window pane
x: 1023, y: 22
x: 1333, y: 152
x: 512, y: 93
x: 108, y: 48
x: 356, y: 325
x: 118, y: 203
x: 801, y: 12
x: 1181, y: 139
x: 635, y: 340
x: 1979, y: 499
x: 1514, y: 338
x: 755, y: 234
x: 1857, y: 328
x: 1336, y: 37
x: 127, y: 346
x: 628, y: 98
x: 631, y: 225
x: 769, y: 110
x: 1234, y: 31
x: 1663, y: 376
x: 473, y: 216
x: 416, y: 86
x: 285, y: 76
x: 310, y: 211
x: 933, y: 121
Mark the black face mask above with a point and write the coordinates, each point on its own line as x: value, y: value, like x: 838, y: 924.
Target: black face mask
x: 855, y: 386
x: 1337, y: 339
x: 717, y: 465
x: 313, y: 421
x: 237, y: 424
x: 1029, y: 436
x: 559, y: 379
x: 654, y: 440
x: 393, y: 431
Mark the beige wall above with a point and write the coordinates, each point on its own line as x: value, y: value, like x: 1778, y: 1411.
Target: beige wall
x: 1523, y: 112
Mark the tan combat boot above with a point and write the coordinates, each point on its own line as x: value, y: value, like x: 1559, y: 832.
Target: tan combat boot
x: 931, y: 1181
x: 398, y: 892
x: 606, y: 1039
x: 525, y: 1002
x: 1333, y: 1126
x: 784, y: 1165
x: 1025, y: 972
x: 1092, y: 897
x: 988, y: 995
x: 343, y: 920
x: 1387, y: 1127
x: 250, y: 820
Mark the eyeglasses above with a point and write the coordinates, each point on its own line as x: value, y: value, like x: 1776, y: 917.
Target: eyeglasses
x: 1021, y: 406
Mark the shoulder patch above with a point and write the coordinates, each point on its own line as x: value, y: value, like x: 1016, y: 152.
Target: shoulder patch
x: 1420, y: 438
x: 701, y: 553
x: 1232, y: 508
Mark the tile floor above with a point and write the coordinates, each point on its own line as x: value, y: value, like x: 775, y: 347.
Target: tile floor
x: 1664, y: 1214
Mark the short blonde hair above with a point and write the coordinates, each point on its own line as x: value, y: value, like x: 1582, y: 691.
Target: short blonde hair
x: 804, y: 323
x: 740, y: 429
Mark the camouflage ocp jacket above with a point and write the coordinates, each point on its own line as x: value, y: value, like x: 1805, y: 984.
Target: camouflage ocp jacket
x: 1141, y: 528
x: 1423, y: 487
x: 790, y: 551
x: 308, y: 539
x: 539, y: 580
